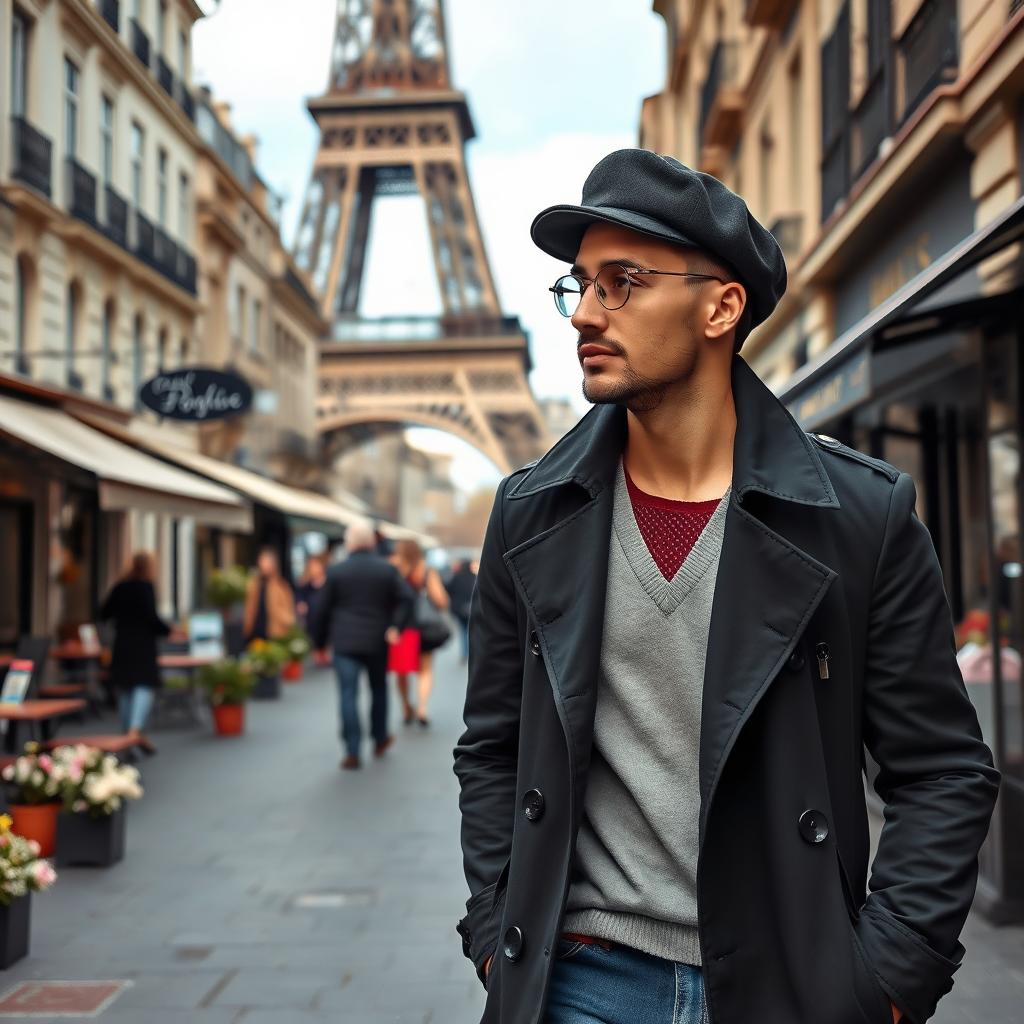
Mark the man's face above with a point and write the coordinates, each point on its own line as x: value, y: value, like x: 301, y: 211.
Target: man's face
x: 634, y: 355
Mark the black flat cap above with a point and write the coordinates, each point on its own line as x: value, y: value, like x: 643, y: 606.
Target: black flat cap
x: 661, y: 197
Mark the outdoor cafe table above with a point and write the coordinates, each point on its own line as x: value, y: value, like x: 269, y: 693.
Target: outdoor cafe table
x: 183, y: 662
x: 42, y: 712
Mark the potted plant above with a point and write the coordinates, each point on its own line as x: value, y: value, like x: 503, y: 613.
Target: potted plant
x: 91, y: 826
x: 34, y: 783
x: 228, y: 684
x: 265, y: 659
x: 297, y: 646
x: 226, y: 591
x: 22, y: 872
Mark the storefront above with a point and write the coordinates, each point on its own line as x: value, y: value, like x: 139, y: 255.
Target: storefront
x: 930, y: 379
x: 74, y: 504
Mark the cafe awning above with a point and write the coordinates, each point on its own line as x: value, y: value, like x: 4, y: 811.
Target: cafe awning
x: 126, y: 478
x: 940, y: 296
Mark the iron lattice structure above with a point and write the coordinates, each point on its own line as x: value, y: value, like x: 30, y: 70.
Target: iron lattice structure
x: 390, y: 123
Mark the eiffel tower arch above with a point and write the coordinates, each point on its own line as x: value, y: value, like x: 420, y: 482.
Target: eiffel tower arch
x: 391, y: 124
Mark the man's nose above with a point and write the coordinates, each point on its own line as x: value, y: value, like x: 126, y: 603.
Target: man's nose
x: 590, y: 315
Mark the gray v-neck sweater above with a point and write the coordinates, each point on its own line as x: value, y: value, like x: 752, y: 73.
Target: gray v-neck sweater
x: 635, y: 876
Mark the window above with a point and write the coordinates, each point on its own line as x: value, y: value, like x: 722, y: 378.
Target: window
x: 70, y: 108
x: 106, y: 349
x: 138, y: 153
x: 161, y: 29
x: 138, y: 354
x: 21, y: 302
x: 257, y: 316
x: 183, y: 208
x: 19, y: 64
x: 161, y: 350
x: 106, y: 139
x: 182, y: 55
x: 797, y: 152
x: 161, y: 187
x: 238, y: 314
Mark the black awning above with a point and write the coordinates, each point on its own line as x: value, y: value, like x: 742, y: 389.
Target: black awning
x: 916, y: 308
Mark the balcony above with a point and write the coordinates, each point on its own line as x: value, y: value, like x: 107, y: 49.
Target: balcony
x: 140, y: 43
x: 142, y: 238
x: 929, y: 52
x: 31, y: 156
x: 186, y: 101
x: 115, y: 220
x: 110, y: 11
x: 165, y: 76
x: 788, y: 232
x: 870, y: 124
x: 81, y: 192
x: 185, y: 274
x: 768, y: 13
x: 165, y: 253
x: 721, y: 100
x: 835, y: 117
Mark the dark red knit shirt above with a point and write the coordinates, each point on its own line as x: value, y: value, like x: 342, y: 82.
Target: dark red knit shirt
x: 669, y: 528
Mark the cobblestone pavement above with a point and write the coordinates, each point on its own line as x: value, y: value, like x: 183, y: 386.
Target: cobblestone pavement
x: 264, y: 886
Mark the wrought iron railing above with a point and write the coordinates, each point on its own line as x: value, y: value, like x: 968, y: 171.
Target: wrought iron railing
x: 186, y: 100
x: 140, y: 43
x: 110, y: 10
x: 871, y: 123
x: 81, y: 192
x: 835, y: 118
x: 929, y: 50
x: 31, y: 155
x: 164, y: 75
x: 115, y: 219
x: 142, y: 238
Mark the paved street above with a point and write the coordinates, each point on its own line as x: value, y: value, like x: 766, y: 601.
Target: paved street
x: 263, y: 886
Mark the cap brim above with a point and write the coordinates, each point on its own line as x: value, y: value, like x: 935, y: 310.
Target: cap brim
x: 559, y: 230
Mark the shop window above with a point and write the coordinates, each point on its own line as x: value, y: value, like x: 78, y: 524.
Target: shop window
x: 76, y: 555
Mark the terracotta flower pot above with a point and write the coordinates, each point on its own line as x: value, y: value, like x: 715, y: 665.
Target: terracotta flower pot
x: 229, y: 719
x: 38, y: 822
x: 292, y: 671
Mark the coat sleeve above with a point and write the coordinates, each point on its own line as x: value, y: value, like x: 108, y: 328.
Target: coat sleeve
x: 403, y: 602
x: 320, y: 613
x: 936, y: 775
x: 486, y: 755
x: 160, y: 627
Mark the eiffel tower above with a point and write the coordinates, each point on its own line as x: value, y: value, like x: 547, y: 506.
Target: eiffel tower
x: 391, y: 124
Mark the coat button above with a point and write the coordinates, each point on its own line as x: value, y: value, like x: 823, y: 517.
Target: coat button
x: 796, y: 660
x: 813, y: 826
x: 533, y: 805
x: 513, y: 943
x: 534, y: 644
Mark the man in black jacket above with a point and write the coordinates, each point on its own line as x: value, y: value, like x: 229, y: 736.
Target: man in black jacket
x: 364, y: 606
x: 691, y: 618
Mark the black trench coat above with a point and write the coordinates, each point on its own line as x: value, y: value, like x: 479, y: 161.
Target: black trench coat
x: 822, y: 546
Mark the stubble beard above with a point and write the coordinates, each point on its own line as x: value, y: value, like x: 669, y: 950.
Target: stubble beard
x: 632, y: 390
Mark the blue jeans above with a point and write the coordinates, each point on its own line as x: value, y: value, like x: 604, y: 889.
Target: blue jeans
x: 348, y: 668
x: 135, y: 706
x: 594, y: 985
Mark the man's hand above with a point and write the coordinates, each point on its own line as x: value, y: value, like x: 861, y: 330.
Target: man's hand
x: 392, y: 635
x: 896, y: 1014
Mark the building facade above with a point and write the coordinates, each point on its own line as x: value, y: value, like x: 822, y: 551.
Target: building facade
x: 131, y: 218
x: 881, y: 142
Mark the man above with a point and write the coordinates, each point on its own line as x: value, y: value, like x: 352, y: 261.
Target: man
x: 690, y: 618
x: 460, y: 592
x: 363, y: 606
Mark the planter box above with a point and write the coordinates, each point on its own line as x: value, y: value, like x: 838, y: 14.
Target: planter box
x: 38, y: 822
x: 83, y: 841
x: 229, y: 719
x: 267, y: 687
x: 14, y: 930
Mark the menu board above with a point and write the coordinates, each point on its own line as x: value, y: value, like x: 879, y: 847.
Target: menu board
x: 16, y: 682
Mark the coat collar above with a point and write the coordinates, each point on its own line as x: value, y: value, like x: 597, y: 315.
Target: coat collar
x: 772, y: 454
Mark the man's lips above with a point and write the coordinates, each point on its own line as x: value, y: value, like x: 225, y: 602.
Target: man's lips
x: 589, y: 350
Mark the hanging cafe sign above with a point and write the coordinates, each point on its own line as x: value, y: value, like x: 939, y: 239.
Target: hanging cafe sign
x: 197, y: 394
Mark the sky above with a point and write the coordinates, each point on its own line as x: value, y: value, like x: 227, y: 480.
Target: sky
x: 552, y: 88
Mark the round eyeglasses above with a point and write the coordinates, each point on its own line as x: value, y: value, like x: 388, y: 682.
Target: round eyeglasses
x: 612, y: 286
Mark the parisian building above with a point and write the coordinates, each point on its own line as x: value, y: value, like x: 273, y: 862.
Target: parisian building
x: 881, y: 142
x: 137, y: 238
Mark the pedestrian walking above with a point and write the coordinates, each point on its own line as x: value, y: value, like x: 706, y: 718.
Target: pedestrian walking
x: 134, y: 668
x: 309, y: 587
x: 690, y: 618
x: 363, y: 607
x: 269, y: 603
x: 414, y: 651
x: 460, y: 594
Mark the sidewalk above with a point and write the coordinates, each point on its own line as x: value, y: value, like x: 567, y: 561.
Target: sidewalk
x: 264, y: 886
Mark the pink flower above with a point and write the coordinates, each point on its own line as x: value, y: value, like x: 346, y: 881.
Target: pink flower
x: 45, y: 762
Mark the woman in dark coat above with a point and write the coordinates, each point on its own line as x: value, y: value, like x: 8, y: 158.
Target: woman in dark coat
x: 134, y: 671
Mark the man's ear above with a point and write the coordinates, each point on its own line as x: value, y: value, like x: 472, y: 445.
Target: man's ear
x: 725, y: 317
